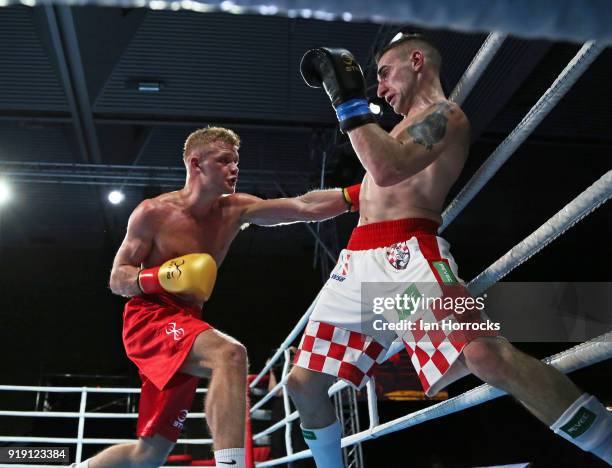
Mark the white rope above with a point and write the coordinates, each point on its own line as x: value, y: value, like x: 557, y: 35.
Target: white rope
x: 73, y: 414
x: 585, y: 354
x: 576, y: 20
x: 285, y: 344
x: 585, y: 203
x: 566, y: 79
x: 335, y: 388
x: 38, y: 388
x: 476, y: 68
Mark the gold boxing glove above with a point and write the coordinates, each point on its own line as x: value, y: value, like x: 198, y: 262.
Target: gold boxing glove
x: 192, y: 274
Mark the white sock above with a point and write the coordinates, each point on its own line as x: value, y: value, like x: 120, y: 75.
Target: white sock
x: 587, y: 424
x: 325, y: 445
x: 231, y: 457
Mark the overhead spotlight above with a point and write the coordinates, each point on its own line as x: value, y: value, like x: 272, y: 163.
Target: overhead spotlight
x: 149, y: 86
x: 116, y: 197
x: 5, y: 192
x: 375, y: 108
x: 145, y: 85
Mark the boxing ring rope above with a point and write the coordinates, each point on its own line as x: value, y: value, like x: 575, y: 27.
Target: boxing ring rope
x: 573, y: 20
x: 477, y: 66
x: 581, y: 206
x: 568, y: 77
x: 584, y: 204
x: 81, y: 415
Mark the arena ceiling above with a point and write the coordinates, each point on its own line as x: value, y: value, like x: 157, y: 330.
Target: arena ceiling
x: 96, y: 98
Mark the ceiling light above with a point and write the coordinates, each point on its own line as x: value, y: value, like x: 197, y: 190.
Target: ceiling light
x: 116, y: 197
x: 149, y: 86
x: 5, y: 192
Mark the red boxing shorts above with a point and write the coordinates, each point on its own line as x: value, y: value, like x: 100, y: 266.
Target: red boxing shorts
x: 384, y: 263
x: 158, y: 333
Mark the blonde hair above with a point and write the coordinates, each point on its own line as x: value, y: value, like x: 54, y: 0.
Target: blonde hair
x: 205, y: 136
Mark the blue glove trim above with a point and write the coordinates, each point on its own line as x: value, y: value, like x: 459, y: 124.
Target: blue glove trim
x: 352, y: 108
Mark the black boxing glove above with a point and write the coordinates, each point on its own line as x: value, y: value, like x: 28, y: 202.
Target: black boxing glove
x: 337, y: 71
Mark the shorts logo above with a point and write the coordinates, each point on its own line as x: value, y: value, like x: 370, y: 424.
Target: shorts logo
x: 398, y: 255
x: 180, y: 420
x: 342, y: 269
x: 582, y: 420
x: 446, y: 274
x: 177, y: 333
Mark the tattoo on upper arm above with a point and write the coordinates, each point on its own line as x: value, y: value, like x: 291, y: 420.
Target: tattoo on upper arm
x: 432, y: 128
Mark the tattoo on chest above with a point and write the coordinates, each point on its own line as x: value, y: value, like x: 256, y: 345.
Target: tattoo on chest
x: 432, y: 128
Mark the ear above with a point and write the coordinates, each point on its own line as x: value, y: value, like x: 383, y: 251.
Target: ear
x: 417, y: 59
x: 193, y: 162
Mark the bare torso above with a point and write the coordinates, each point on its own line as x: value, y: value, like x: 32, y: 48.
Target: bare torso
x: 178, y: 232
x: 423, y: 194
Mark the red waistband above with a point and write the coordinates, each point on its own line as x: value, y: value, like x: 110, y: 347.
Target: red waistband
x: 166, y: 299
x: 375, y: 235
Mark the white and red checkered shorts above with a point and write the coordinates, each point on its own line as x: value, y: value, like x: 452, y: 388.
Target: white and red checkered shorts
x: 346, y: 354
x: 384, y: 260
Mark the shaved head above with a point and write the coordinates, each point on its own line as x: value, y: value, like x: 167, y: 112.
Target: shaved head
x: 409, y: 42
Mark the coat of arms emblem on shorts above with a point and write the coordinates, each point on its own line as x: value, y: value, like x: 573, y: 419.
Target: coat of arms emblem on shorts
x: 398, y: 255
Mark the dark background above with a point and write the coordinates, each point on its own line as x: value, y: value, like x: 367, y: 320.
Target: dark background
x: 68, y: 79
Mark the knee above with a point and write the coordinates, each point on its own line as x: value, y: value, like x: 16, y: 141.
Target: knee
x: 294, y: 385
x: 300, y: 387
x: 234, y: 355
x: 490, y: 359
x: 146, y: 457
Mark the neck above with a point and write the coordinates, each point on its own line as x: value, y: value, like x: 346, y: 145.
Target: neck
x: 428, y: 92
x: 198, y: 198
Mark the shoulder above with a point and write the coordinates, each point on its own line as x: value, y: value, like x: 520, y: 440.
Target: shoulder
x: 452, y: 114
x: 238, y: 200
x: 437, y: 121
x: 151, y: 206
x: 444, y: 110
x: 149, y: 211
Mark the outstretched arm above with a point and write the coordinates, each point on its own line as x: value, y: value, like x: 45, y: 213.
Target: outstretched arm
x: 317, y: 205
